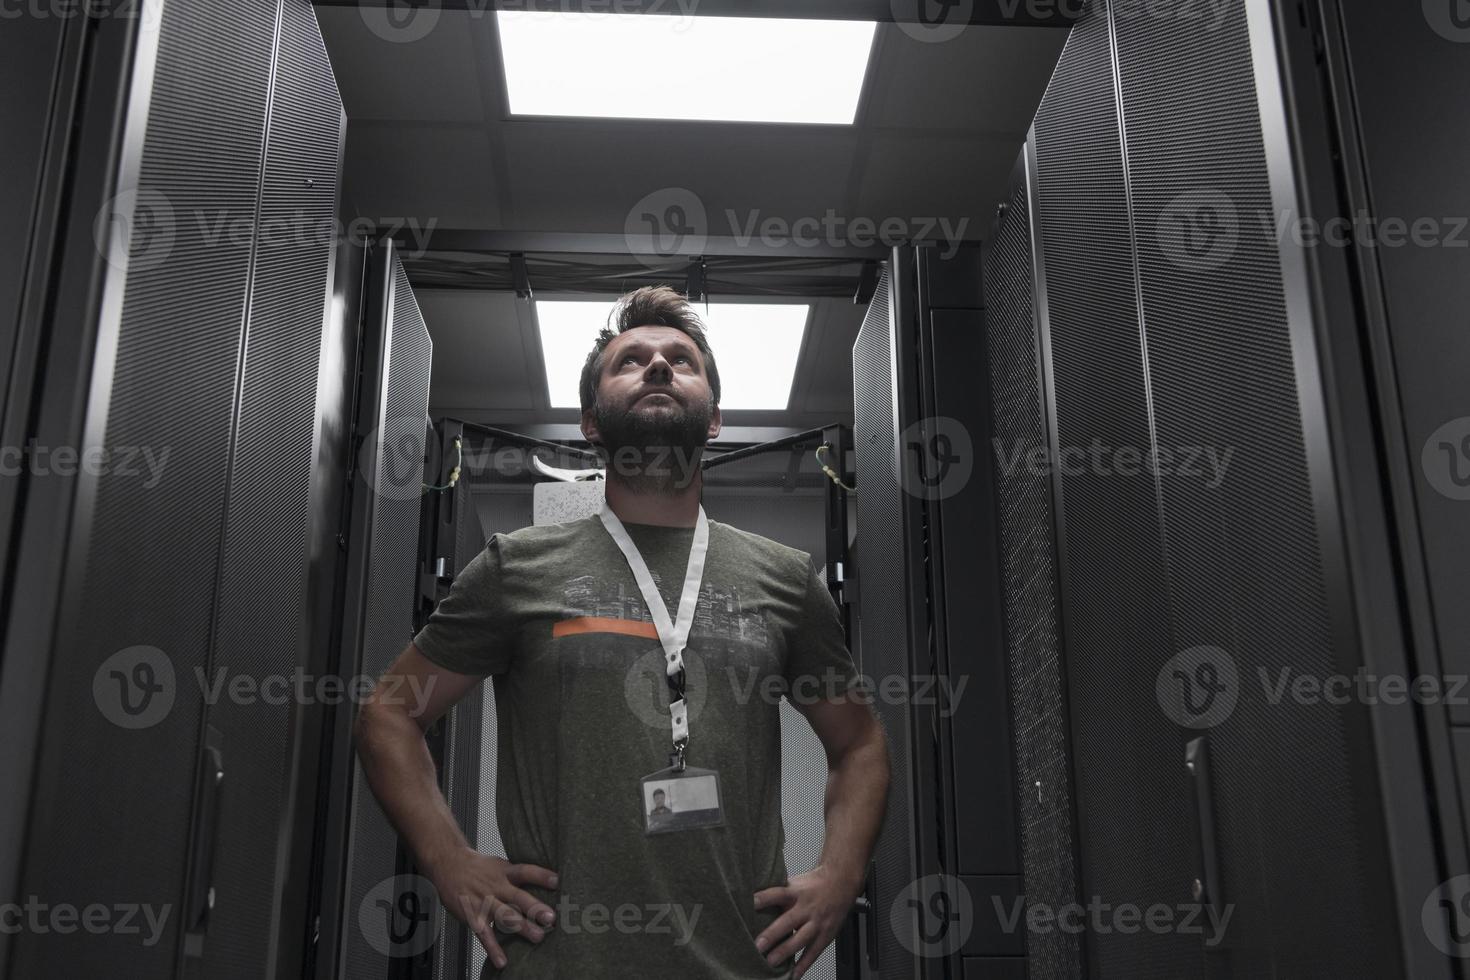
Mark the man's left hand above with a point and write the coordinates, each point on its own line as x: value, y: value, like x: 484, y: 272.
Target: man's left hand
x: 816, y: 904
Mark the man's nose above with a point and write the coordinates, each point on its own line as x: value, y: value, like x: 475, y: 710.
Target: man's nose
x: 658, y: 367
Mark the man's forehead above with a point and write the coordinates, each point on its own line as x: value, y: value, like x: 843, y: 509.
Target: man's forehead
x: 656, y: 334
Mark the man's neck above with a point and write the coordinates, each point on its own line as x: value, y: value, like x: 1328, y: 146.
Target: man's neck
x: 667, y: 506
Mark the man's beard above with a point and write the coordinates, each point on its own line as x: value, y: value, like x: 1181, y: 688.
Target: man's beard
x: 653, y: 453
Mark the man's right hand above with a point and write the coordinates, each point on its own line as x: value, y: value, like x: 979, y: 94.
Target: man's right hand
x: 485, y: 893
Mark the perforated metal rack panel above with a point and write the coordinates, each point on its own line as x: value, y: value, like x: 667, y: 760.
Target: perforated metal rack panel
x: 1028, y: 555
x: 881, y: 613
x: 1242, y: 542
x: 262, y: 615
x: 1134, y: 821
x: 111, y: 804
x: 387, y: 625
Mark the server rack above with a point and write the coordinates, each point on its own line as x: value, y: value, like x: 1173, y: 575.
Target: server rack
x: 136, y: 329
x: 1143, y: 243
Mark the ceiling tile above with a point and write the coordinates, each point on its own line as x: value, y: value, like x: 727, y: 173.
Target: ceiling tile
x: 443, y: 175
x: 388, y: 75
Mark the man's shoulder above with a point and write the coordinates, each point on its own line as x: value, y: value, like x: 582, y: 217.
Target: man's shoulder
x: 761, y: 547
x: 541, y: 540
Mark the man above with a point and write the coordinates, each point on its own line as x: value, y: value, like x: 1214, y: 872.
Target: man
x: 589, y: 663
x: 660, y: 805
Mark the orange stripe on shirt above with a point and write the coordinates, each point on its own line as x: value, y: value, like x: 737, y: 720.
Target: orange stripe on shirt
x: 603, y: 624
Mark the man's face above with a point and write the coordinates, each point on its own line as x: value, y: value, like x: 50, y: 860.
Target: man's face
x: 652, y: 392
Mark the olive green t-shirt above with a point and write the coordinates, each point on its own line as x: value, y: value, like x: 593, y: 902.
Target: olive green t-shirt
x: 554, y: 614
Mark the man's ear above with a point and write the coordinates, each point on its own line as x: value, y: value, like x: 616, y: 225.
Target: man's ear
x: 715, y: 423
x: 589, y: 427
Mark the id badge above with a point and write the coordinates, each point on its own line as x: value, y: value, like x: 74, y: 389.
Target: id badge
x: 673, y: 800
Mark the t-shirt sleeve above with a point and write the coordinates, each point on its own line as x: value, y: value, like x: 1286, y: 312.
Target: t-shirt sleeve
x: 470, y: 631
x: 818, y: 663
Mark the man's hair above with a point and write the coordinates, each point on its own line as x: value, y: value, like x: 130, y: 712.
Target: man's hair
x: 648, y: 307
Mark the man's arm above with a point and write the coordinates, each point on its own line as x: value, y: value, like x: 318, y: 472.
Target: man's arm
x: 390, y: 727
x: 477, y: 888
x: 856, y: 796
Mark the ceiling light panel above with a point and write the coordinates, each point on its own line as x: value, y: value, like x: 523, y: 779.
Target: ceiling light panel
x: 657, y: 66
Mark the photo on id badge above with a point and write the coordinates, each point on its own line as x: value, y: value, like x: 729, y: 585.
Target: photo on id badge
x: 674, y: 800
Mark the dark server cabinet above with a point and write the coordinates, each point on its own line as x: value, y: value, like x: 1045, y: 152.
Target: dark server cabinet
x: 929, y: 621
x: 183, y: 331
x: 1232, y: 497
x: 1027, y: 559
x: 374, y: 912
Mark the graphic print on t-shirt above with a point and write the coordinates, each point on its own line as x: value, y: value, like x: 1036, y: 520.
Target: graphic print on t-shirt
x: 729, y: 646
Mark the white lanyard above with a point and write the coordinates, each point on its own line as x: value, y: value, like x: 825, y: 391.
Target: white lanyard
x: 675, y: 635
